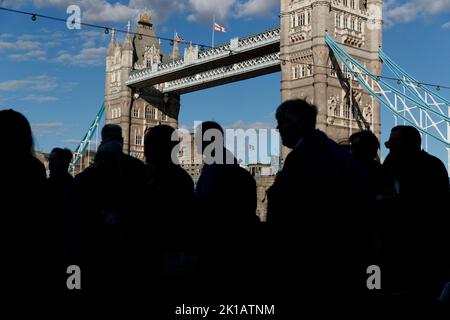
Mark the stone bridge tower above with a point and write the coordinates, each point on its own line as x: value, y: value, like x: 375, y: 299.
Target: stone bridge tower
x: 311, y: 73
x: 136, y: 111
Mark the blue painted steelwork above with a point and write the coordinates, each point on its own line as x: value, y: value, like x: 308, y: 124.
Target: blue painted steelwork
x: 78, y: 153
x: 349, y: 62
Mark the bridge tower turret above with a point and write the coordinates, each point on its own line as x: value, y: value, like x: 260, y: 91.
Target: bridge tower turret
x: 137, y: 110
x: 310, y: 72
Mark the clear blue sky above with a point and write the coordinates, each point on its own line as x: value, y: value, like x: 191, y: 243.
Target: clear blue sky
x: 55, y: 76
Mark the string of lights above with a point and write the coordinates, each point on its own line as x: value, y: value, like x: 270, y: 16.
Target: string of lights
x: 107, y: 29
x: 379, y: 77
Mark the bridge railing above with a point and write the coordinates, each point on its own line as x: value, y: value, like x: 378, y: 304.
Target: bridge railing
x: 235, y: 45
x: 223, y: 72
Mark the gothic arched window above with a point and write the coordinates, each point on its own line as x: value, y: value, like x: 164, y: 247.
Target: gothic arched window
x: 136, y: 112
x: 295, y: 72
x: 337, y: 110
x: 302, y: 19
x: 138, y: 139
x: 347, y: 111
x: 148, y: 113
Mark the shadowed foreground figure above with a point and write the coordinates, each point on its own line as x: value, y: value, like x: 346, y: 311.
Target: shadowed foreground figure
x: 364, y: 146
x: 313, y: 214
x: 106, y: 196
x: 60, y: 183
x: 226, y: 201
x: 28, y: 244
x: 162, y: 234
x: 417, y: 241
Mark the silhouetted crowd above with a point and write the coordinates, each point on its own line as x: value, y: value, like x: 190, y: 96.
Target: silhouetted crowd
x: 133, y: 227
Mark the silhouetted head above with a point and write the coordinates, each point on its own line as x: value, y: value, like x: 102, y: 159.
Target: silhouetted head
x: 59, y: 161
x: 364, y: 145
x: 109, y: 155
x: 206, y: 133
x: 295, y: 119
x: 15, y: 132
x: 112, y: 132
x: 158, y: 145
x: 404, y: 141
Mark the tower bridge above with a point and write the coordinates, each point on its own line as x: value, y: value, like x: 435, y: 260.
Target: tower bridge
x: 327, y: 52
x: 196, y: 61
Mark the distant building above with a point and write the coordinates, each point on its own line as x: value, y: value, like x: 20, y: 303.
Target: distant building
x: 262, y: 184
x: 190, y: 160
x: 42, y: 157
x: 262, y: 169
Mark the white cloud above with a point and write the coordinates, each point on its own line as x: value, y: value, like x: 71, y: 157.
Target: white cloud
x: 13, y: 4
x: 446, y: 25
x: 403, y: 12
x: 160, y: 10
x: 72, y: 141
x: 19, y: 45
x: 40, y: 99
x: 197, y: 10
x: 204, y: 10
x: 30, y: 55
x: 42, y: 83
x: 42, y: 129
x: 94, y: 10
x: 86, y: 57
x: 257, y: 8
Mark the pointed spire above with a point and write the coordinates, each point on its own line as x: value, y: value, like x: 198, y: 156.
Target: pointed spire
x: 128, y: 43
x: 112, y: 43
x: 176, y: 49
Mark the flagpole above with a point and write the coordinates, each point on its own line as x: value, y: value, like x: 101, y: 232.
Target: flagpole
x: 213, y: 29
x: 174, y: 40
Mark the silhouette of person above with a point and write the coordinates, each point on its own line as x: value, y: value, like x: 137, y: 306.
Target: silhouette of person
x: 26, y: 235
x: 60, y: 189
x: 133, y: 166
x: 106, y: 195
x: 226, y: 201
x: 60, y: 181
x: 364, y: 146
x: 312, y: 206
x: 163, y: 234
x: 417, y: 240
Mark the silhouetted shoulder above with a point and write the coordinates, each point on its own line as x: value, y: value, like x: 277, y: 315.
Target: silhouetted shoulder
x: 134, y: 162
x: 38, y: 168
